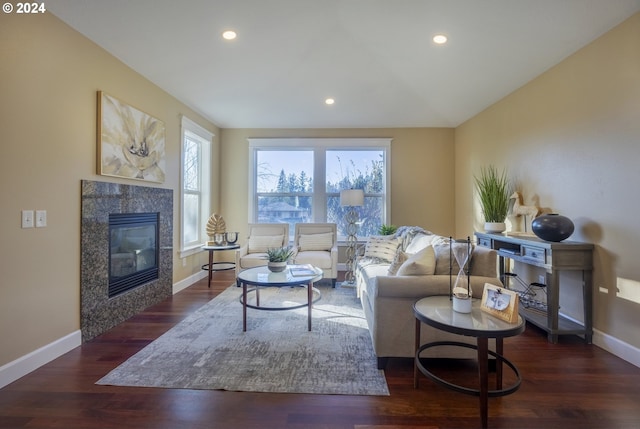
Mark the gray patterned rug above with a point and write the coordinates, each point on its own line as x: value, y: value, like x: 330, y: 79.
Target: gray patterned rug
x: 208, y: 350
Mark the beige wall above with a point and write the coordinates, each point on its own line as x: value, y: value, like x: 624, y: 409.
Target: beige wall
x: 49, y: 76
x: 422, y: 191
x: 571, y: 140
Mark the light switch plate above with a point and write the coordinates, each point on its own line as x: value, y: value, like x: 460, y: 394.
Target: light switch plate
x: 27, y: 218
x: 41, y: 218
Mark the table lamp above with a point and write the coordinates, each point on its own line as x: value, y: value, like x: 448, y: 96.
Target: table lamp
x: 351, y: 198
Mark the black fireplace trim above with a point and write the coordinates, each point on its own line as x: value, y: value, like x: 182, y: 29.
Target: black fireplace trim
x: 121, y: 285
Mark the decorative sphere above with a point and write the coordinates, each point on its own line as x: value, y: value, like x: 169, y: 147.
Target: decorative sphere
x: 552, y: 227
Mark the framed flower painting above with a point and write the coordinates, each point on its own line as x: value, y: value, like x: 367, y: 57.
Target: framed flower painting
x: 131, y: 143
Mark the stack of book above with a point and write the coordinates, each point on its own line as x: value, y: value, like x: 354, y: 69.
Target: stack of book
x: 302, y: 270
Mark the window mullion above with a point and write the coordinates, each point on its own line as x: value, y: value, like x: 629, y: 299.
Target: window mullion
x: 319, y: 185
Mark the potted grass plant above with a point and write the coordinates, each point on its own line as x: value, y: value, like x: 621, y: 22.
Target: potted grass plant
x: 278, y: 257
x: 387, y: 229
x: 493, y: 191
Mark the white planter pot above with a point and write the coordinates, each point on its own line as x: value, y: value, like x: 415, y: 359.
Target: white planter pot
x: 277, y: 267
x: 493, y: 227
x: 461, y: 305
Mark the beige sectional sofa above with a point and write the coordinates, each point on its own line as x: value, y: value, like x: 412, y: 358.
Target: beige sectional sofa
x: 393, y: 272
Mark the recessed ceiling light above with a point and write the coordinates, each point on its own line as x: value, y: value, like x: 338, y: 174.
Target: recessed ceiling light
x: 229, y: 35
x: 329, y: 101
x: 440, y: 39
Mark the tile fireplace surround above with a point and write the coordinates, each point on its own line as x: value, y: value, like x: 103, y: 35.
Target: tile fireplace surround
x: 98, y: 312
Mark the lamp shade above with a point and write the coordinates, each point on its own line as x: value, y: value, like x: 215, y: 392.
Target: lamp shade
x: 352, y: 198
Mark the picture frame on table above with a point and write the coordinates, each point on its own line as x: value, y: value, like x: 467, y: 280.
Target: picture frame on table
x: 500, y: 302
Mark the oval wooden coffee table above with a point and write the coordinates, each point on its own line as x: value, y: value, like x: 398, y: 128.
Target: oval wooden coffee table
x: 437, y: 311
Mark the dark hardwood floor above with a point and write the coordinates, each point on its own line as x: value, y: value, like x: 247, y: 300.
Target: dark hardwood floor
x: 568, y: 385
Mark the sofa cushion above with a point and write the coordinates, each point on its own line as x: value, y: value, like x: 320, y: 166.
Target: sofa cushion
x: 323, y: 241
x: 422, y: 263
x: 383, y: 248
x: 262, y: 243
x: 317, y: 258
x: 420, y: 241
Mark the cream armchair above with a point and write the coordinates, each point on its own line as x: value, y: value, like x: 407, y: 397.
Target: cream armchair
x: 317, y: 244
x: 262, y: 236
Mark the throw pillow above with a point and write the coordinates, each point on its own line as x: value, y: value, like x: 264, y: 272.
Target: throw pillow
x: 322, y: 241
x: 400, y: 258
x: 422, y: 263
x: 260, y: 243
x: 419, y: 242
x: 381, y: 247
x: 442, y: 258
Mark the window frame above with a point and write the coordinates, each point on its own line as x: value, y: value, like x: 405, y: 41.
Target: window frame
x: 190, y: 129
x: 320, y: 147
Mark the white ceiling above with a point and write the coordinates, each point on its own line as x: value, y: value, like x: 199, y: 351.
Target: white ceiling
x: 375, y: 57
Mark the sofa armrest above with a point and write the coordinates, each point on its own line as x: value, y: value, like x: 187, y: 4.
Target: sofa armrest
x: 334, y: 261
x: 295, y: 249
x: 242, y: 251
x: 334, y: 253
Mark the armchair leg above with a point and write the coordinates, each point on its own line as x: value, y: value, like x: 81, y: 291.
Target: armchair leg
x: 382, y: 362
x: 333, y: 283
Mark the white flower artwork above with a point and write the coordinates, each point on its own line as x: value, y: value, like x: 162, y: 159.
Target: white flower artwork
x: 131, y: 144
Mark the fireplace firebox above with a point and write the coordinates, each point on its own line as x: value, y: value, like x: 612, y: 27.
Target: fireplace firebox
x: 133, y: 251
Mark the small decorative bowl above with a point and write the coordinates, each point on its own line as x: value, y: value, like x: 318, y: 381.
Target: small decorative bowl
x: 231, y: 237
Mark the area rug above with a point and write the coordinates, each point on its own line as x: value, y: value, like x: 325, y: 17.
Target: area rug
x: 209, y: 350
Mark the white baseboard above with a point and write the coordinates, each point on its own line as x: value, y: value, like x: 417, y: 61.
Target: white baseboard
x: 613, y: 345
x: 185, y: 283
x: 619, y: 348
x: 34, y: 360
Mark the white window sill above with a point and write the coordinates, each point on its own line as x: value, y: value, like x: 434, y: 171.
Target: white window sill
x: 189, y: 251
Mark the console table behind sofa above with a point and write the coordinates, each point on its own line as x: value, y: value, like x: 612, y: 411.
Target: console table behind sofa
x: 553, y: 258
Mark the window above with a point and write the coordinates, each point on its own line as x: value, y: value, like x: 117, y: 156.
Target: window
x: 282, y: 194
x: 196, y: 177
x: 299, y: 180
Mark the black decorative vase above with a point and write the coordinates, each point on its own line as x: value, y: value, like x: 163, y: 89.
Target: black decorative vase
x: 552, y: 227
